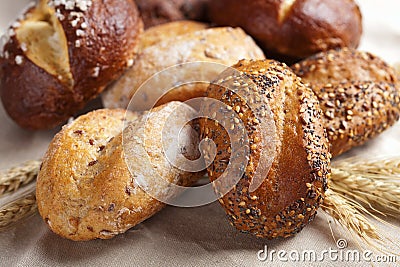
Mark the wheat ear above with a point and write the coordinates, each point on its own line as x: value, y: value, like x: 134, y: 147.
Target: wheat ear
x: 17, y: 210
x: 374, y: 183
x: 12, y: 179
x: 17, y: 192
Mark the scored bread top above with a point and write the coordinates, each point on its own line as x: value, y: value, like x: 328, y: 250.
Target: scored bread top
x: 293, y: 29
x: 59, y: 55
x: 294, y: 186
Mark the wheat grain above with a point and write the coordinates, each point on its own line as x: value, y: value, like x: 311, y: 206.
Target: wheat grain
x: 17, y: 210
x: 12, y: 179
x: 17, y: 192
x: 373, y: 183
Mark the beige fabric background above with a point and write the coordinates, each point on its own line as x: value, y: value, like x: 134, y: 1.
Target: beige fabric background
x: 192, y: 236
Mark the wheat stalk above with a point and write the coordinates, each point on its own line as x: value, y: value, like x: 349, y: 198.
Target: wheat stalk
x: 12, y: 179
x: 373, y: 183
x: 17, y: 192
x: 352, y: 216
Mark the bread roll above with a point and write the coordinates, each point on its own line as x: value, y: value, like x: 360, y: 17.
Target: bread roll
x: 217, y: 45
x: 293, y: 28
x: 293, y: 187
x: 159, y: 33
x: 90, y: 183
x: 59, y: 55
x: 359, y: 94
x: 344, y: 66
x: 155, y: 12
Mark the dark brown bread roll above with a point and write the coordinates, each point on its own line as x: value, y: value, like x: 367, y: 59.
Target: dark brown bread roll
x: 296, y: 28
x: 59, y: 55
x: 359, y: 94
x: 156, y: 12
x: 293, y: 188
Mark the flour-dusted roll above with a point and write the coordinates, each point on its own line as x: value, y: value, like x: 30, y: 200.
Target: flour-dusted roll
x: 159, y: 33
x: 265, y: 94
x: 359, y: 95
x: 90, y: 183
x: 60, y: 54
x: 216, y: 45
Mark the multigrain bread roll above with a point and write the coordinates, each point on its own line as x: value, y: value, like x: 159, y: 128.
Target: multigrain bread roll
x: 359, y: 94
x: 292, y: 189
x: 356, y: 112
x: 85, y: 189
x: 155, y: 12
x: 216, y: 45
x: 159, y: 33
x: 293, y: 29
x: 344, y: 66
x: 61, y: 54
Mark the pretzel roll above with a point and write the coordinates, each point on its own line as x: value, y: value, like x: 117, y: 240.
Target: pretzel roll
x: 293, y: 29
x: 59, y: 55
x: 266, y: 94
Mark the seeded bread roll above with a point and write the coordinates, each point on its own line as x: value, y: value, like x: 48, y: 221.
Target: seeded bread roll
x: 293, y: 29
x: 159, y: 33
x: 344, y: 66
x: 155, y: 12
x: 357, y: 112
x: 293, y: 188
x: 216, y: 45
x: 61, y: 54
x: 85, y: 189
x: 359, y: 95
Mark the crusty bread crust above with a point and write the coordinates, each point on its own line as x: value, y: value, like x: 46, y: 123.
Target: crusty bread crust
x: 85, y: 189
x: 159, y: 33
x: 294, y: 186
x: 218, y: 45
